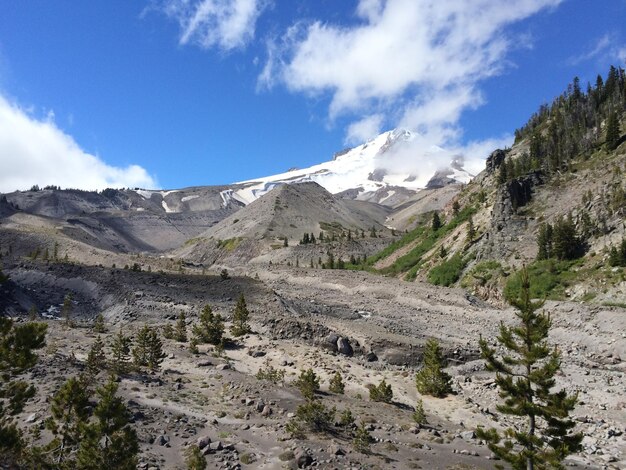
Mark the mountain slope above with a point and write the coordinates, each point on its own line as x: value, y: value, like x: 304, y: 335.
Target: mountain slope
x: 560, y: 188
x: 288, y: 211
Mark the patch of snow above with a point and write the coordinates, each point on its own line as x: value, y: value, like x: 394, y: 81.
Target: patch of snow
x: 189, y: 198
x: 166, y: 207
x: 147, y: 193
x: 226, y: 197
x: 389, y: 194
x: 140, y: 209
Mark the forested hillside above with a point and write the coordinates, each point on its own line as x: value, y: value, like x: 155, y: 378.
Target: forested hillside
x: 555, y: 201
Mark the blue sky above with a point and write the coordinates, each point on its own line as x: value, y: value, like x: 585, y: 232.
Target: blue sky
x: 179, y: 93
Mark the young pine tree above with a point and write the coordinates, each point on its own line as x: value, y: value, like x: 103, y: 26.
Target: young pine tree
x: 120, y: 349
x: 431, y: 379
x: 96, y: 358
x: 99, y: 325
x: 194, y: 459
x: 436, y: 221
x: 525, y: 377
x: 180, y: 332
x: 612, y: 131
x: 18, y: 344
x: 240, y: 324
x: 109, y: 442
x: 419, y: 415
x: 544, y: 242
x: 308, y: 383
x: 362, y: 439
x: 381, y: 392
x: 210, y: 328
x: 336, y: 384
x: 148, y: 350
x: 66, y: 311
x: 471, y: 230
x: 70, y: 412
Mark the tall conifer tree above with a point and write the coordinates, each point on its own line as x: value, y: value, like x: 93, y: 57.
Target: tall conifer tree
x: 525, y: 377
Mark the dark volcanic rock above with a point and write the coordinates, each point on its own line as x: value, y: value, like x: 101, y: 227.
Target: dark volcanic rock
x: 495, y: 160
x: 344, y: 347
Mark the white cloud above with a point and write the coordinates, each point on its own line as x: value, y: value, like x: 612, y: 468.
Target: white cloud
x: 601, y: 46
x: 228, y: 24
x: 38, y: 152
x: 363, y: 130
x: 412, y: 63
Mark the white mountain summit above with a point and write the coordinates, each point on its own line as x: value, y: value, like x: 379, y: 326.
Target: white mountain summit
x: 394, y: 161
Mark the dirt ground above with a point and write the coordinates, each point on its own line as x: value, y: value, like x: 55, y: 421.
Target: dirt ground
x: 297, y: 317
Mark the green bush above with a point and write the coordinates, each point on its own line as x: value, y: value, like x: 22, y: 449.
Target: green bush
x: 308, y: 383
x: 548, y: 279
x: 316, y: 415
x: 448, y: 272
x: 381, y: 392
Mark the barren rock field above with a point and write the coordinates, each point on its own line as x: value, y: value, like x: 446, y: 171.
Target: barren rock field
x: 366, y: 327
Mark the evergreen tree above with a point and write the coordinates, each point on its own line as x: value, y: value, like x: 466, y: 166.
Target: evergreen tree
x: 110, y: 442
x: 617, y: 256
x: 180, y: 332
x: 503, y: 173
x: 66, y: 311
x: 436, y: 221
x: 148, y: 350
x: 544, y: 242
x: 471, y: 230
x: 96, y: 358
x: 194, y: 458
x: 456, y: 207
x: 419, y: 416
x: 612, y: 131
x: 210, y: 328
x: 431, y: 379
x: 525, y: 377
x: 99, y: 325
x: 241, y: 314
x: 308, y: 383
x: 381, y: 392
x: 336, y: 384
x: 362, y: 439
x: 565, y: 241
x: 330, y: 264
x: 120, y: 349
x: 18, y: 344
x: 70, y: 411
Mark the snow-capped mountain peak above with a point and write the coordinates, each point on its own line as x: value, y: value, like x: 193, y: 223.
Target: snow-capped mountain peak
x: 393, y: 159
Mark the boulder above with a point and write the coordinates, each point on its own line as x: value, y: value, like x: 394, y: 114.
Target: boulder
x: 344, y: 347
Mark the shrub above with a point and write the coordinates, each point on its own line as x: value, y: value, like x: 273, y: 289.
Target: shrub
x: 241, y: 314
x: 381, y: 392
x: 336, y: 384
x: 180, y: 332
x: 362, y: 439
x: 194, y: 458
x: 419, y: 416
x: 316, y: 415
x: 346, y: 419
x: 270, y: 373
x: 431, y: 379
x: 308, y: 383
x: 210, y: 328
